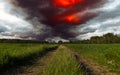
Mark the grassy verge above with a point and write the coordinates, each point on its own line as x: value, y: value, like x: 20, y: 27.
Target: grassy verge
x: 63, y: 64
x: 16, y: 54
x: 103, y: 54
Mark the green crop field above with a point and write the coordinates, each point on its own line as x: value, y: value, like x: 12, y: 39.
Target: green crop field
x: 13, y: 54
x: 103, y: 54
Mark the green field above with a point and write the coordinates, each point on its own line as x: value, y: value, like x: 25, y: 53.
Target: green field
x: 14, y: 54
x: 63, y: 61
x: 63, y: 64
x: 103, y: 54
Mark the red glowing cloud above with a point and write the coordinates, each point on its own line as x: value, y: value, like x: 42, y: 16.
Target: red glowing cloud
x: 68, y: 18
x: 60, y: 12
x: 67, y: 3
x: 72, y: 19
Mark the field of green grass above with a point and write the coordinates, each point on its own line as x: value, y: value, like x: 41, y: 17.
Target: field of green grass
x: 64, y: 61
x: 13, y: 54
x: 63, y: 64
x: 103, y: 54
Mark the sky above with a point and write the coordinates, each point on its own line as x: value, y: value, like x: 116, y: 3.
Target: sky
x: 55, y: 19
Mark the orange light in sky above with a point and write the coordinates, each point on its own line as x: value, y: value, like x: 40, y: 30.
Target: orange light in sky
x: 67, y: 3
x: 72, y: 19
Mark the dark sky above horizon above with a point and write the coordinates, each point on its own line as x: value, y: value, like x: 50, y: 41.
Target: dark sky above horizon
x: 58, y: 19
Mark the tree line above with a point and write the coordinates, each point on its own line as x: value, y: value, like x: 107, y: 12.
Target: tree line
x: 21, y: 41
x: 105, y: 39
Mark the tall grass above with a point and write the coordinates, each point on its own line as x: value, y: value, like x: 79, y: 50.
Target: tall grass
x: 63, y: 64
x: 14, y: 54
x: 103, y: 54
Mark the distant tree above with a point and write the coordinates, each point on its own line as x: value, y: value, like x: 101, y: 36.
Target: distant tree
x: 60, y: 42
x: 107, y: 38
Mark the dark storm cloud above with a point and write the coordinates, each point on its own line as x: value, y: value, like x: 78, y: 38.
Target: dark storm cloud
x: 45, y: 11
x: 46, y: 17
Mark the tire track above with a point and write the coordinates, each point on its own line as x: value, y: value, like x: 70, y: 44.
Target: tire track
x: 37, y: 66
x: 89, y: 66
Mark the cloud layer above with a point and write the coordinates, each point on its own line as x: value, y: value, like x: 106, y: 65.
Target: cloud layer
x: 107, y: 22
x: 34, y: 19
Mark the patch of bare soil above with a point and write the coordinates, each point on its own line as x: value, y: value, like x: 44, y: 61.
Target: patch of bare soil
x: 36, y: 67
x: 91, y: 67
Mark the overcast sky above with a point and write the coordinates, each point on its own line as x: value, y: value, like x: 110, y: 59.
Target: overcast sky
x: 13, y: 23
x: 107, y: 22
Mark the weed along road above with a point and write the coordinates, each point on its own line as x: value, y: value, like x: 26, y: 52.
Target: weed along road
x: 98, y: 59
x: 63, y: 63
x: 40, y: 64
x: 24, y: 59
